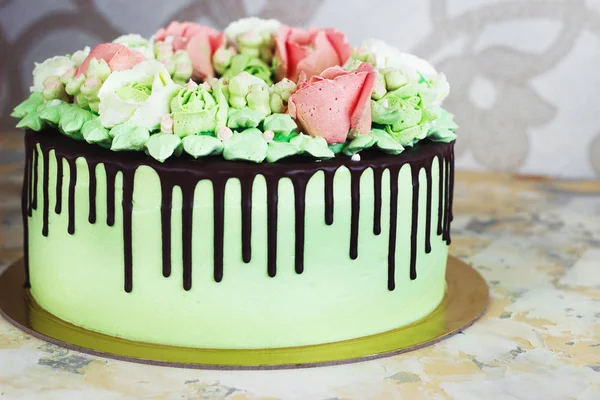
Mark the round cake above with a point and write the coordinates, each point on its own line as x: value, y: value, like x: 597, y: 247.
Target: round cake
x: 264, y: 187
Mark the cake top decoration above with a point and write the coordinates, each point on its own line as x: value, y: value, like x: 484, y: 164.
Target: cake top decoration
x: 259, y: 91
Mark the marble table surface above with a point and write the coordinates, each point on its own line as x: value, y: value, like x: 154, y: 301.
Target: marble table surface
x: 535, y: 241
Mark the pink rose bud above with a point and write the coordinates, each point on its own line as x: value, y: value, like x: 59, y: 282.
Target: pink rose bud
x: 166, y: 124
x: 206, y: 86
x: 269, y: 135
x: 199, y: 41
x: 117, y: 56
x: 224, y: 133
x: 51, y: 82
x: 310, y: 51
x: 335, y: 104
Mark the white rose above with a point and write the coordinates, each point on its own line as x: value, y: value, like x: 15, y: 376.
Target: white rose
x: 139, y: 96
x: 386, y: 56
x: 138, y: 43
x: 55, y: 66
x: 263, y: 27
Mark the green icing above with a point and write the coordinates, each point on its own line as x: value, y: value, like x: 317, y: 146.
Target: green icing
x: 29, y: 105
x: 443, y: 128
x: 128, y: 137
x: 258, y: 99
x: 202, y: 145
x: 72, y: 119
x: 52, y: 112
x: 196, y: 110
x: 280, y: 123
x: 315, y: 146
x: 137, y: 92
x: 244, y: 118
x: 163, y: 145
x: 337, y: 148
x: 360, y: 142
x: 31, y: 121
x: 385, y: 142
x: 279, y: 150
x: 252, y: 65
x: 94, y: 132
x: 248, y: 145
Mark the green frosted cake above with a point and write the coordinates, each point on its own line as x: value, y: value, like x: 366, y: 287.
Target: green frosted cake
x: 264, y: 187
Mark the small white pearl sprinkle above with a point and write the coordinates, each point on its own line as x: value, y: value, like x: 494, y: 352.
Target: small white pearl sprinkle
x: 224, y: 133
x: 54, y: 102
x: 269, y: 135
x: 191, y: 85
x: 355, y: 157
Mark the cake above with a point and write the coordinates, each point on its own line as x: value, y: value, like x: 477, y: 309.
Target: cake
x: 262, y: 187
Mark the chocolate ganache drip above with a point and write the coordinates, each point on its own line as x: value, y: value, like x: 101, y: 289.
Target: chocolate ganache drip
x: 186, y: 173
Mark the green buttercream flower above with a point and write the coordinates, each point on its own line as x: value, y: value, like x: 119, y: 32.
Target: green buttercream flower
x: 28, y: 105
x: 248, y: 145
x: 196, y: 110
x: 163, y: 145
x: 182, y: 71
x: 404, y: 114
x: 222, y: 59
x: 93, y: 132
x: 280, y: 93
x: 80, y: 55
x: 258, y: 99
x: 128, y: 137
x: 443, y: 129
x: 98, y: 68
x: 73, y: 84
x: 252, y: 65
x: 254, y: 36
x: 202, y: 145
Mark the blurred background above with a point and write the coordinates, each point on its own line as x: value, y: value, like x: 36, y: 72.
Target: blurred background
x: 524, y: 74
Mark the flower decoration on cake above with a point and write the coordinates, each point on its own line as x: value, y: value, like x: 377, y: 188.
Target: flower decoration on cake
x: 259, y: 91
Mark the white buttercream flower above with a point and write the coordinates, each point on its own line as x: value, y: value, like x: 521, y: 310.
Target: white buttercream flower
x: 139, y: 96
x: 262, y: 27
x: 138, y: 43
x: 55, y: 66
x: 386, y: 56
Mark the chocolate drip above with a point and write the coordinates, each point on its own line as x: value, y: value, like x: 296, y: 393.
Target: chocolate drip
x: 299, y: 184
x: 71, y: 200
x: 111, y: 174
x: 45, y: 187
x: 35, y: 180
x: 165, y: 222
x: 428, y: 210
x: 219, y: 227
x: 25, y: 193
x: 446, y: 217
x: 187, y: 215
x: 329, y: 175
x: 127, y: 204
x: 393, y: 226
x: 355, y: 174
x: 272, y: 198
x: 246, y: 187
x: 377, y: 177
x: 59, y: 183
x: 186, y: 173
x: 92, y: 192
x: 414, y: 227
x: 440, y: 223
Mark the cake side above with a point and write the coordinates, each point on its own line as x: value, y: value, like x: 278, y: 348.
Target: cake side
x: 267, y: 302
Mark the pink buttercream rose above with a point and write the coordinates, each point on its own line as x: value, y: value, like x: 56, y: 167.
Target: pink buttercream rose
x: 199, y: 41
x: 310, y: 51
x: 335, y: 104
x: 117, y: 56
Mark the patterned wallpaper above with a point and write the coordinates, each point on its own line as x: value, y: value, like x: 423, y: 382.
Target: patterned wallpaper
x: 524, y: 73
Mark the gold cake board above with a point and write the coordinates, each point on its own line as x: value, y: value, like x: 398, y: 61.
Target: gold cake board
x: 465, y: 301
